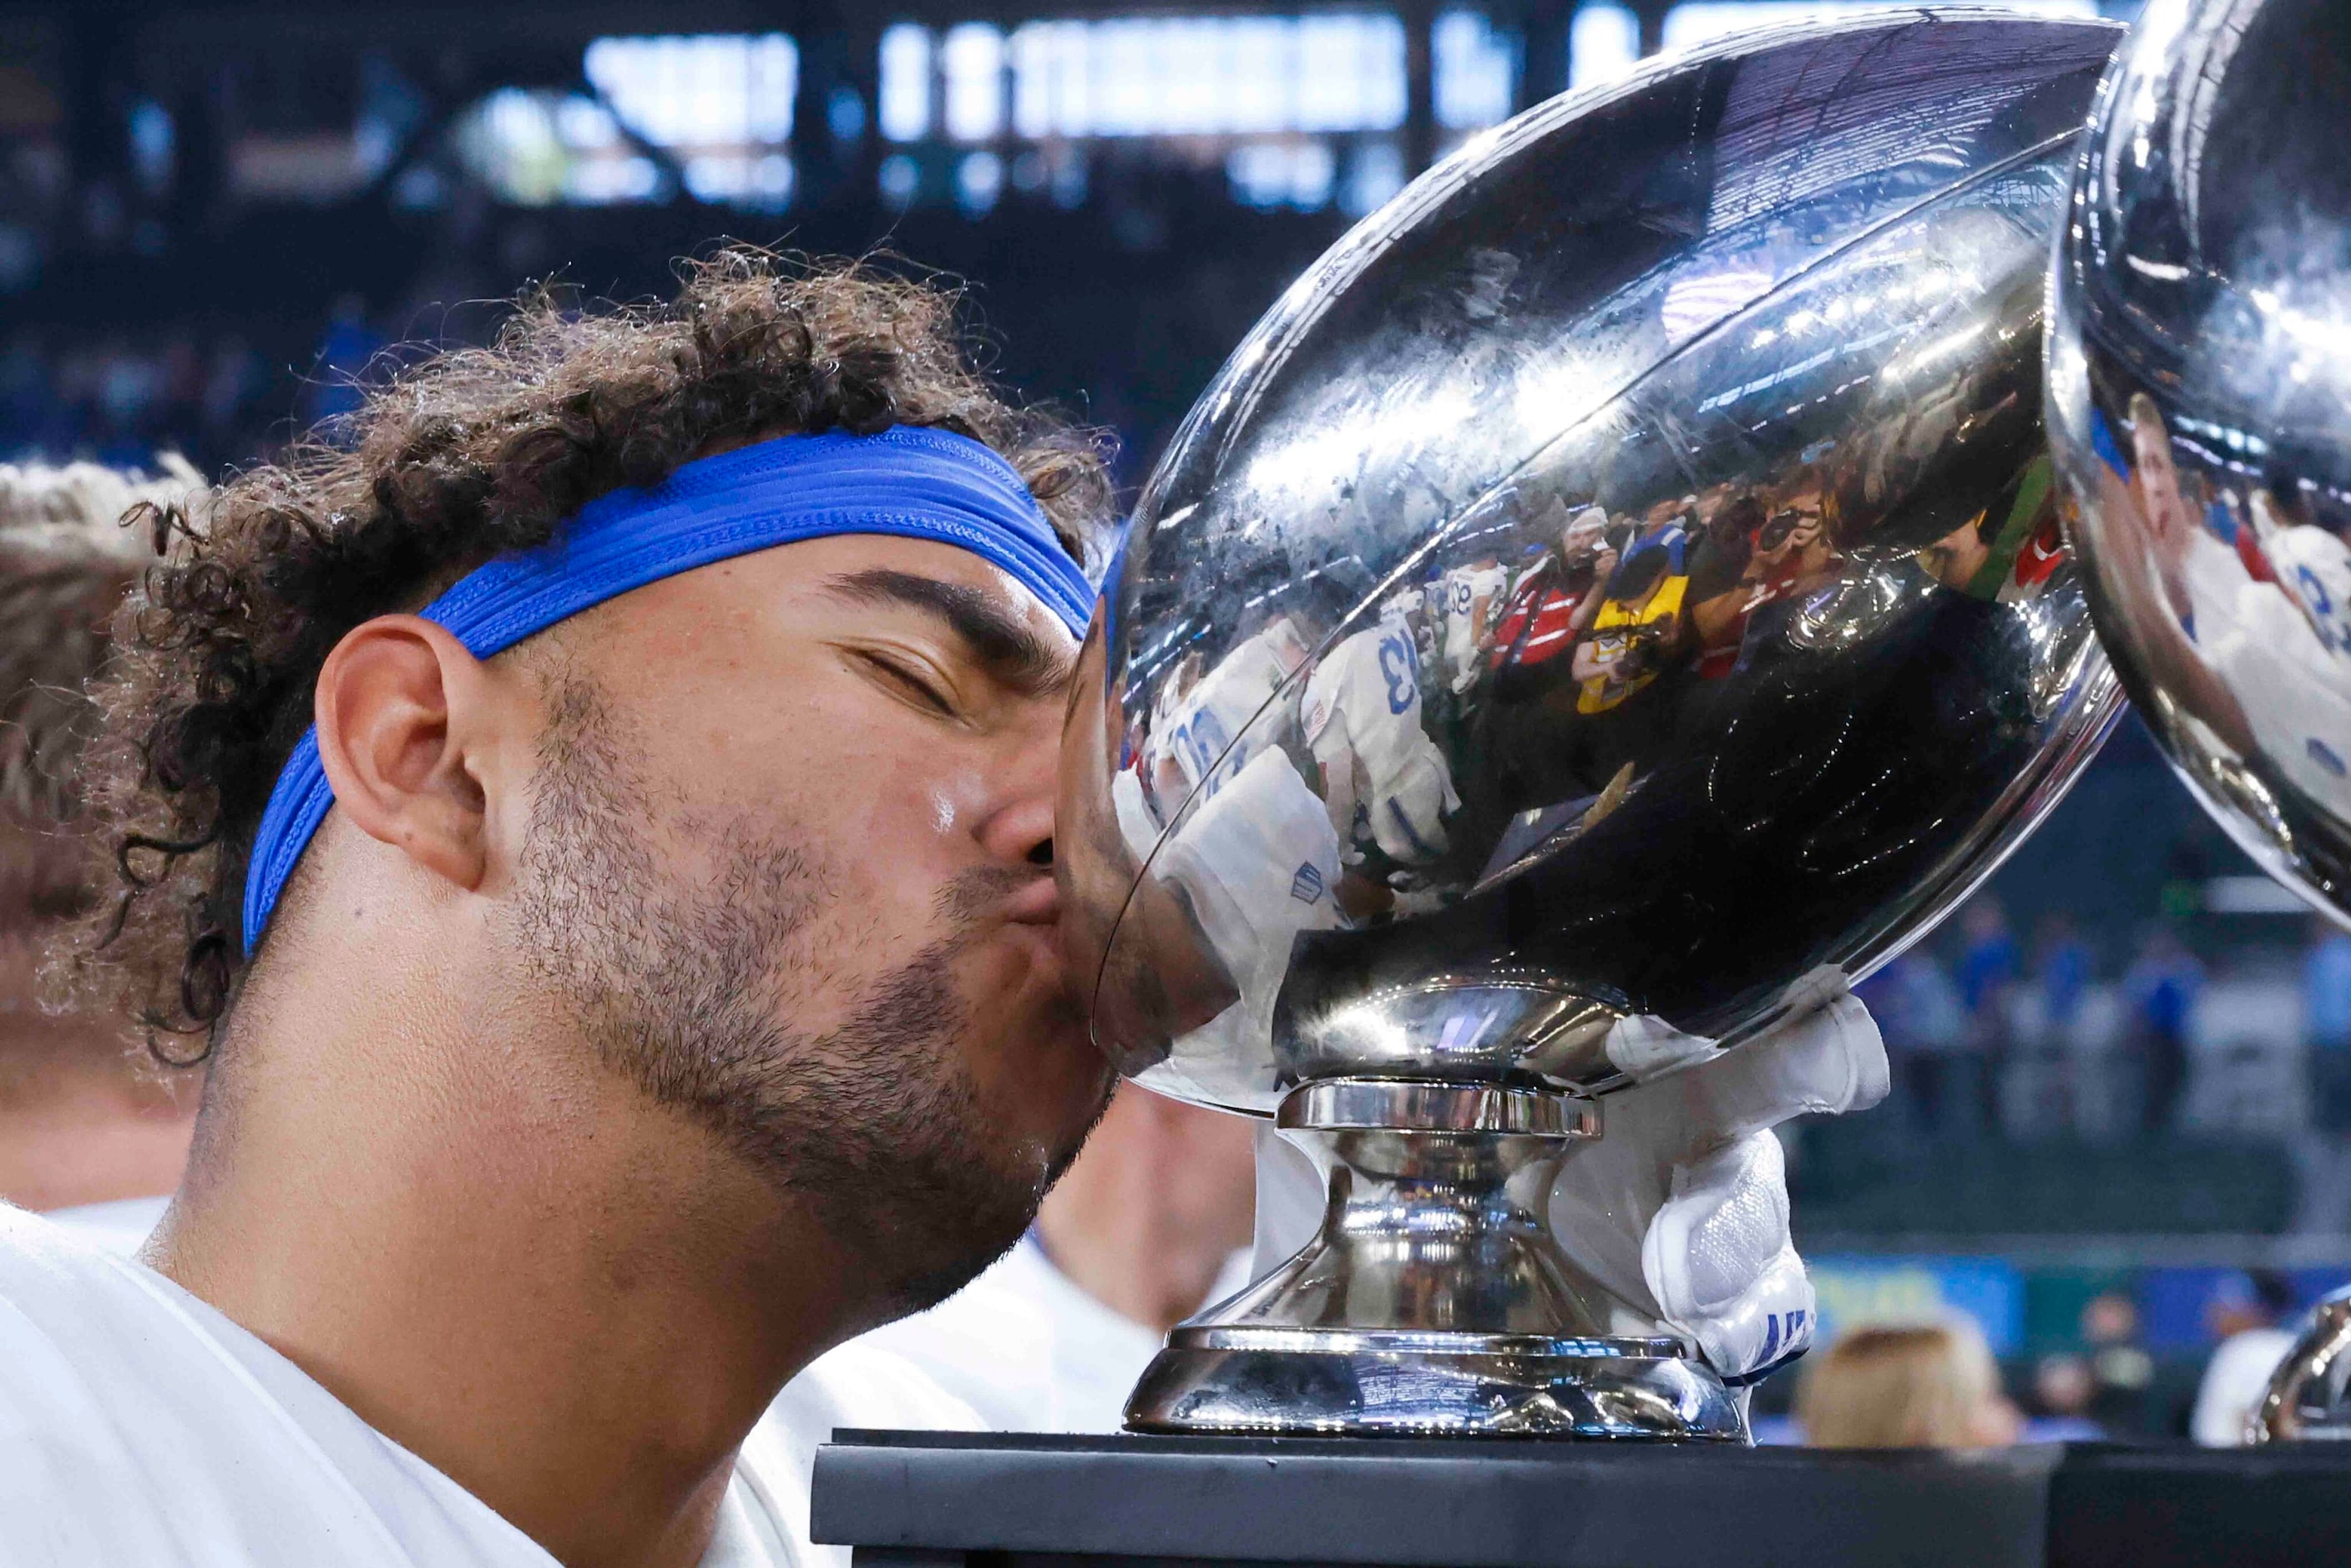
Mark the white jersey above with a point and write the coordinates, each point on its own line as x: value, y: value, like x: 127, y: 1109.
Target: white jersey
x: 1363, y: 709
x: 1026, y: 1347
x: 2276, y: 646
x: 2211, y: 572
x: 1138, y: 824
x: 139, y: 1425
x: 858, y: 1385
x: 2316, y: 569
x: 1201, y: 733
x: 2289, y: 687
x: 1259, y: 863
x: 1464, y: 586
x: 1365, y: 694
x: 2235, y: 1382
x: 120, y: 1225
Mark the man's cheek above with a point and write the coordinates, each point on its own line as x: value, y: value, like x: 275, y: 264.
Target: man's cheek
x: 1035, y: 1054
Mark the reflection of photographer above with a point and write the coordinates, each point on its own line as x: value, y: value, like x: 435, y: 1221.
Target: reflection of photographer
x: 1637, y: 633
x: 1778, y: 540
x: 1553, y: 602
x: 1644, y: 649
x: 1791, y: 550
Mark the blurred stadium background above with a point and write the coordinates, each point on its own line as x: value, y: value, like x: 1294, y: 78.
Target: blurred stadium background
x: 2122, y: 1122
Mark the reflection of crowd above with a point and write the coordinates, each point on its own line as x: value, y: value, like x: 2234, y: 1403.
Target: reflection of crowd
x: 1699, y: 585
x: 1686, y: 586
x: 1613, y: 621
x: 1562, y: 661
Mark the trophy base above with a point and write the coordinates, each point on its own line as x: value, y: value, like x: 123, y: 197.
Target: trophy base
x: 1433, y: 1302
x: 1266, y: 1381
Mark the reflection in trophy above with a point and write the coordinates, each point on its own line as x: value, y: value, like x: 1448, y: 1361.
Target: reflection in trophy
x: 1612, y: 600
x: 2200, y: 405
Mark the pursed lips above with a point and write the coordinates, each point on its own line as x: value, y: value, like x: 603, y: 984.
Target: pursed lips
x: 1039, y: 903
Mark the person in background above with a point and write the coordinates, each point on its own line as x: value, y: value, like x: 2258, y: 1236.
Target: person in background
x: 2245, y: 1316
x: 1551, y: 604
x: 2327, y: 1024
x: 2063, y: 1389
x: 1988, y: 958
x: 1635, y: 634
x: 1918, y: 1010
x: 1667, y: 526
x: 1988, y: 971
x: 345, y: 352
x: 87, y: 1131
x: 1926, y: 1386
x: 1471, y: 603
x: 1151, y: 1224
x: 2161, y: 988
x: 2064, y: 968
x: 2121, y: 1370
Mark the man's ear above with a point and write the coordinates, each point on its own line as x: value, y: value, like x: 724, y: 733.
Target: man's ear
x: 398, y: 703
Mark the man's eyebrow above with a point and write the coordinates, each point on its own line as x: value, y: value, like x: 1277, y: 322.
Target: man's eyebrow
x: 1006, y: 647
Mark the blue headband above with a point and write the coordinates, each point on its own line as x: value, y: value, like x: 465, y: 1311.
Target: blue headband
x: 908, y: 481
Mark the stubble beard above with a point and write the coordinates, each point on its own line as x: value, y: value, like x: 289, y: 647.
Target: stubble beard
x: 686, y: 986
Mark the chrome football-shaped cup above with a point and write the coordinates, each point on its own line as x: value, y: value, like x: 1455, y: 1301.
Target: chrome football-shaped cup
x: 2199, y: 406
x: 1614, y: 596
x: 1618, y: 580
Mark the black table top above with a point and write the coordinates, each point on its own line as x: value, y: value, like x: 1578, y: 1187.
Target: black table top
x: 936, y: 1497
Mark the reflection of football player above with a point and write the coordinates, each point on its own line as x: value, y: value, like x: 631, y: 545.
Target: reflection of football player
x: 2200, y: 574
x: 2280, y: 647
x: 1198, y: 743
x: 2140, y: 501
x: 2287, y: 682
x: 1172, y: 694
x: 2310, y: 564
x: 1258, y: 863
x: 1473, y: 594
x: 1361, y: 717
x: 1635, y: 636
x: 1138, y: 820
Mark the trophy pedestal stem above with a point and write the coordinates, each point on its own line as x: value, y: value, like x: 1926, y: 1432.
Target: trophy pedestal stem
x: 1434, y: 1301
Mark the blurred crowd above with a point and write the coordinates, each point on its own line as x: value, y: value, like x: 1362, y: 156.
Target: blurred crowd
x: 119, y: 400
x: 1994, y: 1034
x: 1933, y: 1381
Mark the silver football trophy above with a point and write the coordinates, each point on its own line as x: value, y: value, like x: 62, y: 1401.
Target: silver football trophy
x: 1615, y: 594
x: 2200, y: 407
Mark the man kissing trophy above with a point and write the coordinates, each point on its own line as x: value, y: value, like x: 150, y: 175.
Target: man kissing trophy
x: 1726, y: 383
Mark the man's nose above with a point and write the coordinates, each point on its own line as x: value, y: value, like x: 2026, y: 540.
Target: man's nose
x: 1019, y: 830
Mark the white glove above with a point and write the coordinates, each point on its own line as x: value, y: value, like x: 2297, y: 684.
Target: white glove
x: 1680, y: 1211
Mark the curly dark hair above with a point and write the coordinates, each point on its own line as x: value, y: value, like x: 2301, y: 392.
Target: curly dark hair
x: 65, y: 564
x: 449, y: 462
